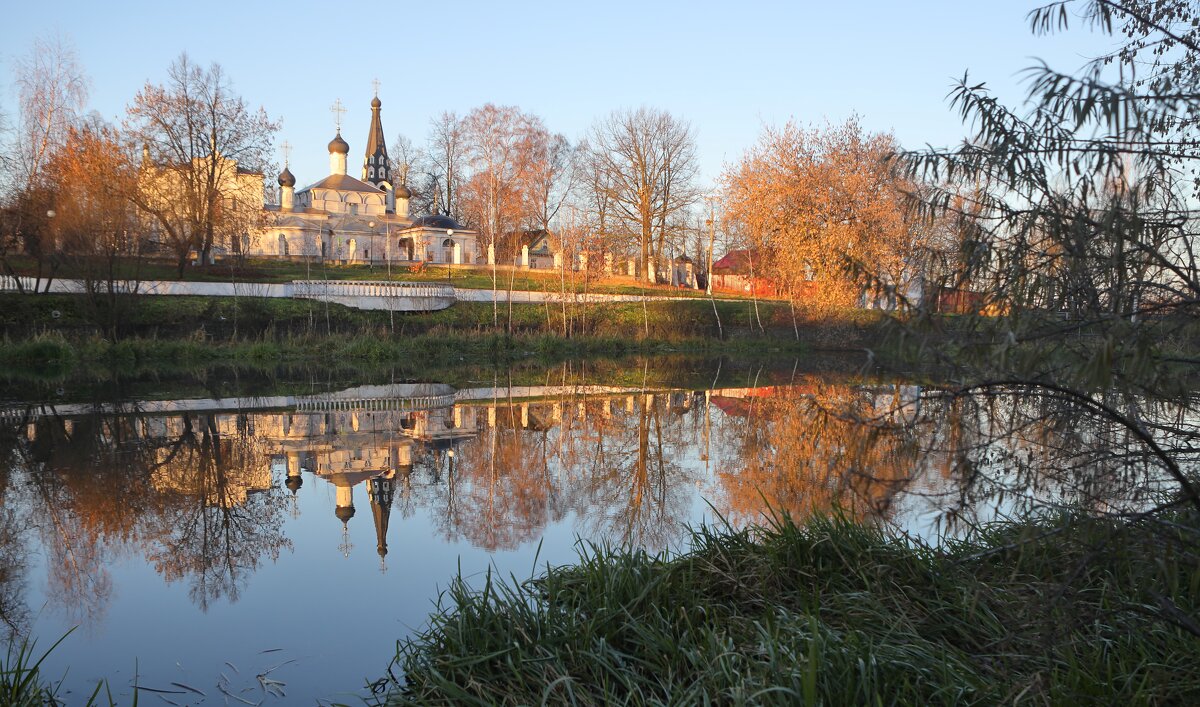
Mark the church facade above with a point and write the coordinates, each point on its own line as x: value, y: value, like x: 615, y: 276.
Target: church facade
x: 343, y: 219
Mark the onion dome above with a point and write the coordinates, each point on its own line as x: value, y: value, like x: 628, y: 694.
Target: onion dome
x: 437, y: 221
x: 338, y: 145
x: 294, y: 483
x: 375, y: 102
x: 403, y: 192
x: 344, y: 513
x: 286, y: 179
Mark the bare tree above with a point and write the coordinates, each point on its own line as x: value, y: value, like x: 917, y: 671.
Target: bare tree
x: 447, y: 152
x: 52, y: 91
x: 206, y: 152
x: 645, y: 163
x: 552, y: 178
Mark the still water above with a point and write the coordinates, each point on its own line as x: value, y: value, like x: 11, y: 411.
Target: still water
x: 276, y: 547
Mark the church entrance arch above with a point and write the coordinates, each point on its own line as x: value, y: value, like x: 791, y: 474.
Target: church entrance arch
x: 406, y: 248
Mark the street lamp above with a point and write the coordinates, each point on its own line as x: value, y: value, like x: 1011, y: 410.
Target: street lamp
x: 370, y: 225
x: 450, y: 254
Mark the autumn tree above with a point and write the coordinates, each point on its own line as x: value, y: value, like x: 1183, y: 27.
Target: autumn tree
x: 504, y: 148
x: 824, y: 205
x: 206, y: 152
x: 94, y: 186
x: 644, y: 164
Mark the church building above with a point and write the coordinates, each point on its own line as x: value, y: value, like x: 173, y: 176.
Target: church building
x: 348, y: 220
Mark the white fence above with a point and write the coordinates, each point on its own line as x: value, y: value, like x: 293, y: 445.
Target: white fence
x: 320, y: 289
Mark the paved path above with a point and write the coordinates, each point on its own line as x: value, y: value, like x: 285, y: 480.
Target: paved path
x: 396, y: 296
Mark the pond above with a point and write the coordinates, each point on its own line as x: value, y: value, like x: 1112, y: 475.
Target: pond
x: 276, y: 546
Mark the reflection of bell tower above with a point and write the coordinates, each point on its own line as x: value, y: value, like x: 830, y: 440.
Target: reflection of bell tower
x: 381, y: 490
x: 294, y: 480
x: 344, y: 512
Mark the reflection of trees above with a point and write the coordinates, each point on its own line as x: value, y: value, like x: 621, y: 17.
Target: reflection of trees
x: 632, y: 487
x: 14, y: 561
x: 95, y: 486
x: 967, y: 458
x: 1015, y: 451
x: 809, y: 448
x: 14, y: 553
x: 226, y: 514
x: 87, y: 489
x: 618, y: 471
x: 501, y: 491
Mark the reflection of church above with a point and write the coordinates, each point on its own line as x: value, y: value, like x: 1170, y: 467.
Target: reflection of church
x: 365, y: 220
x: 374, y: 448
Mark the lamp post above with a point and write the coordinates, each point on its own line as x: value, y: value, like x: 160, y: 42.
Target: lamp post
x: 712, y: 237
x: 370, y: 225
x: 450, y: 254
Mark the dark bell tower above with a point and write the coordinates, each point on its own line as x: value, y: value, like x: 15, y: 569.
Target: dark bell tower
x: 375, y: 164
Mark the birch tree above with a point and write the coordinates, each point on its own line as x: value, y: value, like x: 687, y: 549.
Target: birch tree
x: 52, y: 91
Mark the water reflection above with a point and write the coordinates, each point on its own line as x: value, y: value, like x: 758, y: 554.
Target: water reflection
x: 207, y: 493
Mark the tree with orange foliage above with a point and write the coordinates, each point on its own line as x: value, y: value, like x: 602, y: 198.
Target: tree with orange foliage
x: 96, y: 223
x: 823, y: 211
x: 502, y: 146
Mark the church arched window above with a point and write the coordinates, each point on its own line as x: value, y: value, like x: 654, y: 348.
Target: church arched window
x: 370, y: 172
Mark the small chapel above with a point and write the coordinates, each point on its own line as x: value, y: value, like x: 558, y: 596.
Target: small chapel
x: 363, y: 221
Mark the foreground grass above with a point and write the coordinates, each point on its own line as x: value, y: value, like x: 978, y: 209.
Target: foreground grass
x: 24, y: 684
x: 828, y: 612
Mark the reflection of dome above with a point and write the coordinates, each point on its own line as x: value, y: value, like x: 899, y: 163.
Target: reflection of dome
x: 402, y: 192
x: 294, y: 483
x: 436, y: 221
x: 344, y: 513
x: 337, y: 144
x: 286, y: 179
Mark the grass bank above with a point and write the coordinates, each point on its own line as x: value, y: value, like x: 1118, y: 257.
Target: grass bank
x: 270, y: 270
x: 829, y: 612
x: 53, y: 333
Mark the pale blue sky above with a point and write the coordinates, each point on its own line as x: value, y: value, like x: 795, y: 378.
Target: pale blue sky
x: 728, y: 67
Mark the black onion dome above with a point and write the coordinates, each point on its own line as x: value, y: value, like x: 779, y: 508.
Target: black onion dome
x: 344, y: 513
x: 294, y: 483
x: 337, y: 144
x: 403, y: 192
x: 436, y: 221
x: 286, y: 179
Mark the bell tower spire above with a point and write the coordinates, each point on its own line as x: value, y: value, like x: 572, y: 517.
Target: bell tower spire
x: 375, y: 163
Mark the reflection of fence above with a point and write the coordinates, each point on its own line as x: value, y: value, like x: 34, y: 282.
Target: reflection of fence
x: 12, y: 416
x: 321, y: 403
x: 320, y: 289
x: 9, y: 283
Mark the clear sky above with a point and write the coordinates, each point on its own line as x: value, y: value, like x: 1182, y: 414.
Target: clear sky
x: 728, y: 67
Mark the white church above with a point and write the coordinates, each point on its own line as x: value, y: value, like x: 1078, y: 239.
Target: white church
x: 348, y: 220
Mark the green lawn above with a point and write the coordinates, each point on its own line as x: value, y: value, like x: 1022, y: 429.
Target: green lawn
x: 466, y: 276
